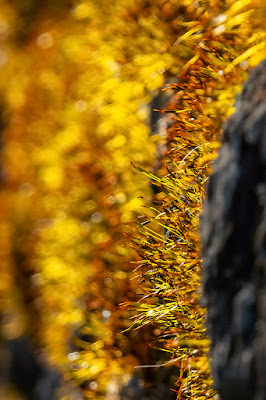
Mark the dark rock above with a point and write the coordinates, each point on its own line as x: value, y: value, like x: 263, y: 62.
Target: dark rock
x: 33, y: 378
x: 159, y: 122
x: 153, y: 384
x: 233, y: 234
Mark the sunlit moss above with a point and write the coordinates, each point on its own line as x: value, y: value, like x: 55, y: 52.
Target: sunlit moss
x: 170, y: 264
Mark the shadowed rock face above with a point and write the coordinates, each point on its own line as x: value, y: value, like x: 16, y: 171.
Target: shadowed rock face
x: 32, y: 377
x: 233, y: 234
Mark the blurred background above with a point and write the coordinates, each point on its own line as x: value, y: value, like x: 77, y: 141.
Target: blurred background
x: 76, y: 80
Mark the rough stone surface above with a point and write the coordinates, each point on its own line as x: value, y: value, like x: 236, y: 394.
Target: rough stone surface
x: 233, y: 234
